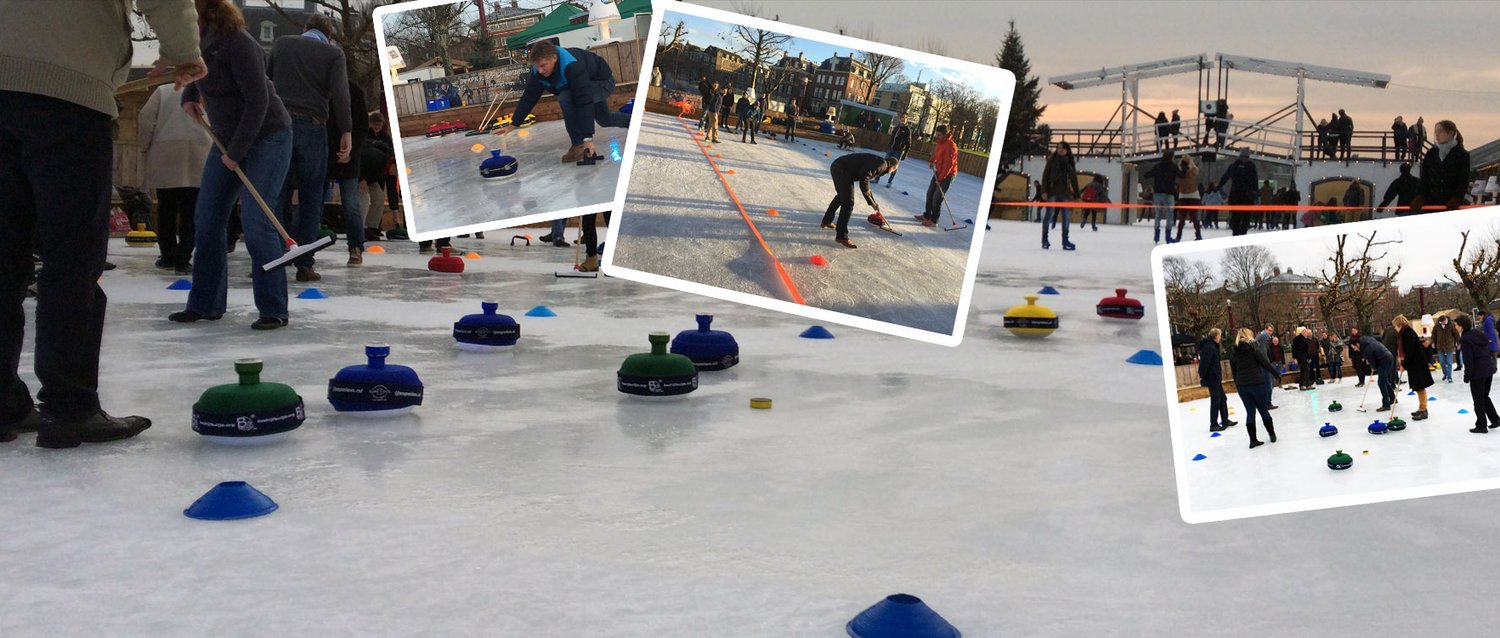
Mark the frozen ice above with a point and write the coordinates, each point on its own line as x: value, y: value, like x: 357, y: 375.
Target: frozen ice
x: 447, y: 191
x: 678, y: 221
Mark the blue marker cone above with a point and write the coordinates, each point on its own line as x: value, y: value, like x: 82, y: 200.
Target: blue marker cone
x: 1411, y: 394
x: 816, y: 332
x: 1200, y: 457
x: 1145, y: 358
x: 1431, y: 399
x: 311, y: 293
x: 1216, y: 435
x: 231, y: 500
x: 906, y: 193
x: 900, y: 616
x: 969, y: 222
x: 180, y: 284
x: 1048, y: 290
x: 541, y: 311
x: 1463, y: 411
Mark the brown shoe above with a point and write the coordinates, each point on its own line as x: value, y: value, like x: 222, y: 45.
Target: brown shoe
x: 590, y: 264
x: 829, y: 226
x: 577, y: 153
x: 846, y: 243
x: 308, y: 274
x: 356, y: 259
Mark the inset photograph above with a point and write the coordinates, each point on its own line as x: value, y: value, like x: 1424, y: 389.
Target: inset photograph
x: 1336, y: 366
x: 811, y: 173
x: 512, y: 113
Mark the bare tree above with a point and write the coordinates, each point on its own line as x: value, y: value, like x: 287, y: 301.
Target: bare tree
x: 433, y: 31
x: 1334, y: 280
x: 673, y: 36
x: 1244, y: 268
x: 356, y: 36
x: 1371, y: 279
x: 760, y: 46
x: 1194, y: 303
x: 1478, y: 268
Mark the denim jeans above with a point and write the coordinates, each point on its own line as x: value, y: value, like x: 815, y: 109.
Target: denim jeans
x: 55, y: 163
x: 936, y: 193
x: 266, y: 165
x: 577, y: 122
x: 1163, y: 207
x: 1048, y: 216
x: 1387, y: 383
x: 307, y: 174
x: 1445, y: 359
x: 1218, y: 403
x: 1257, y: 400
x: 354, y: 211
x: 559, y: 228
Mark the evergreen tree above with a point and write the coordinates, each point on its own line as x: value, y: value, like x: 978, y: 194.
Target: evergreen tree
x: 484, y: 53
x: 1026, y: 109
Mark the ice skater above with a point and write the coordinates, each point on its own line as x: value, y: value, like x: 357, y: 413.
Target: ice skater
x: 1479, y: 374
x: 1059, y: 184
x: 582, y: 82
x: 1252, y: 374
x: 846, y: 170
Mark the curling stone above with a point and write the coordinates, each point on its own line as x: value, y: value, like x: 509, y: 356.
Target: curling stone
x: 528, y: 121
x: 1030, y: 320
x: 497, y: 166
x: 657, y: 373
x: 1378, y: 428
x: 1335, y: 407
x: 629, y: 106
x: 140, y: 237
x: 445, y: 127
x: 708, y: 349
x: 1327, y: 430
x: 1396, y: 424
x: 1340, y: 461
x: 375, y: 389
x: 487, y: 332
x: 1120, y: 309
x: 436, y: 130
x: 248, y: 412
x: 446, y: 262
x: 460, y: 126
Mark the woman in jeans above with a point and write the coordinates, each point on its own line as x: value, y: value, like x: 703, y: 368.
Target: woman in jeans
x: 250, y: 121
x: 1059, y: 184
x: 1250, y: 368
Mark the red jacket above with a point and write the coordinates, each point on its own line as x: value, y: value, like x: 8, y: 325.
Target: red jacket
x: 945, y: 158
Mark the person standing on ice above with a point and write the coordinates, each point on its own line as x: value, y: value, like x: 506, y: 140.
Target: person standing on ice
x: 1187, y: 195
x: 60, y: 64
x: 1413, y: 357
x: 1445, y: 336
x: 711, y: 112
x: 1300, y: 353
x: 1252, y: 380
x: 1094, y: 193
x: 1211, y: 376
x: 1479, y: 374
x: 1403, y: 190
x: 750, y: 120
x: 791, y: 122
x: 900, y: 144
x: 705, y: 88
x: 1333, y: 347
x: 174, y: 148
x: 582, y: 82
x: 1164, y: 192
x: 1059, y: 184
x: 741, y: 108
x: 1266, y: 342
x: 1241, y: 177
x: 1361, y: 368
x: 944, y: 164
x: 846, y: 171
x: 311, y: 80
x: 1379, y: 359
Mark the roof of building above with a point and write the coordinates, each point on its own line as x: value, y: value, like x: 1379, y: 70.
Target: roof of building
x: 1486, y: 154
x: 561, y: 20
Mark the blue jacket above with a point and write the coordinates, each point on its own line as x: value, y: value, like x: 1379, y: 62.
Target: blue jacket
x: 578, y: 72
x: 1478, y: 364
x: 1209, y: 370
x: 1375, y: 352
x: 1489, y: 331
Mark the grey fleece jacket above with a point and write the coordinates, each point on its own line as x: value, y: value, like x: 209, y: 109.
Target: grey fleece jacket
x: 311, y: 78
x: 80, y: 50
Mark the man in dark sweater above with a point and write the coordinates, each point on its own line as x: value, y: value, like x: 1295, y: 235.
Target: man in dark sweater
x: 582, y: 82
x: 1403, y: 190
x: 846, y: 170
x: 346, y: 173
x: 1241, y: 177
x: 705, y: 88
x: 310, y: 76
x: 900, y: 144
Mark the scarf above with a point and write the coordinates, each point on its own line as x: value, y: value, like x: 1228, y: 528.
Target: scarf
x: 317, y: 35
x: 1445, y: 147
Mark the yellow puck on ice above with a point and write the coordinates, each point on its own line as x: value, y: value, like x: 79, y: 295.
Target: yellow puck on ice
x: 477, y: 148
x: 1030, y: 320
x: 760, y: 403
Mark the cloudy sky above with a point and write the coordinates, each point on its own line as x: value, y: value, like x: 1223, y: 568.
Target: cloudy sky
x: 704, y: 32
x: 1440, y: 55
x: 1425, y: 253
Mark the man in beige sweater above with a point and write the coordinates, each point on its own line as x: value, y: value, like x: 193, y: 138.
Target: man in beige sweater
x: 60, y: 63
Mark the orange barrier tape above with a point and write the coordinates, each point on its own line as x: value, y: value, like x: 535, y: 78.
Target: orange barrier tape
x: 1228, y: 208
x: 785, y: 277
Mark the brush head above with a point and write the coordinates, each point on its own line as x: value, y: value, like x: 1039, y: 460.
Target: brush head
x: 294, y: 251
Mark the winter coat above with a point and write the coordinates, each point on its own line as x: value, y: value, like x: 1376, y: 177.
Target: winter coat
x: 1489, y: 331
x: 1241, y: 177
x: 1263, y: 341
x: 1403, y: 189
x: 704, y: 89
x: 374, y: 156
x: 1445, y: 338
x: 1162, y: 127
x: 242, y: 104
x: 863, y: 167
x: 945, y: 158
x: 1390, y: 338
x: 578, y: 71
x: 361, y: 118
x: 741, y: 107
x: 1354, y: 196
x: 1374, y: 352
x: 712, y: 101
x: 1414, y: 359
x: 901, y: 139
x: 1060, y: 178
x: 1209, y: 372
x: 1302, y: 348
x: 173, y: 145
x: 1249, y: 366
x: 1333, y: 348
x: 1478, y: 364
x: 1164, y: 176
x: 1187, y: 182
x: 1398, y: 132
x: 1445, y: 181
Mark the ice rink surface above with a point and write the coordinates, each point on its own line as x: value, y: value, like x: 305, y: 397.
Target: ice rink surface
x: 447, y: 191
x: 1021, y: 488
x: 678, y: 221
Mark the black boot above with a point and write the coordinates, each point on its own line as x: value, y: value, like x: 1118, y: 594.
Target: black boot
x: 99, y: 427
x: 1270, y: 430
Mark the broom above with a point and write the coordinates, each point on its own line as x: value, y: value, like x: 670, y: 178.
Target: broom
x: 575, y: 273
x: 293, y: 251
x: 951, y: 219
x: 1368, y: 383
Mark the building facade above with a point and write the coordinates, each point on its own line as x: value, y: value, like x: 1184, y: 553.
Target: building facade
x: 919, y: 104
x: 501, y: 22
x: 265, y: 23
x: 839, y: 78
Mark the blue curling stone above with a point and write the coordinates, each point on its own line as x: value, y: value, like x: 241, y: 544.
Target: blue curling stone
x: 709, y: 349
x: 1327, y: 430
x: 1378, y: 428
x: 498, y: 166
x: 488, y: 331
x: 376, y: 388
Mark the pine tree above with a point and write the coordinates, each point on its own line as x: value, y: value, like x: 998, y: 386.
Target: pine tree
x: 1026, y: 110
